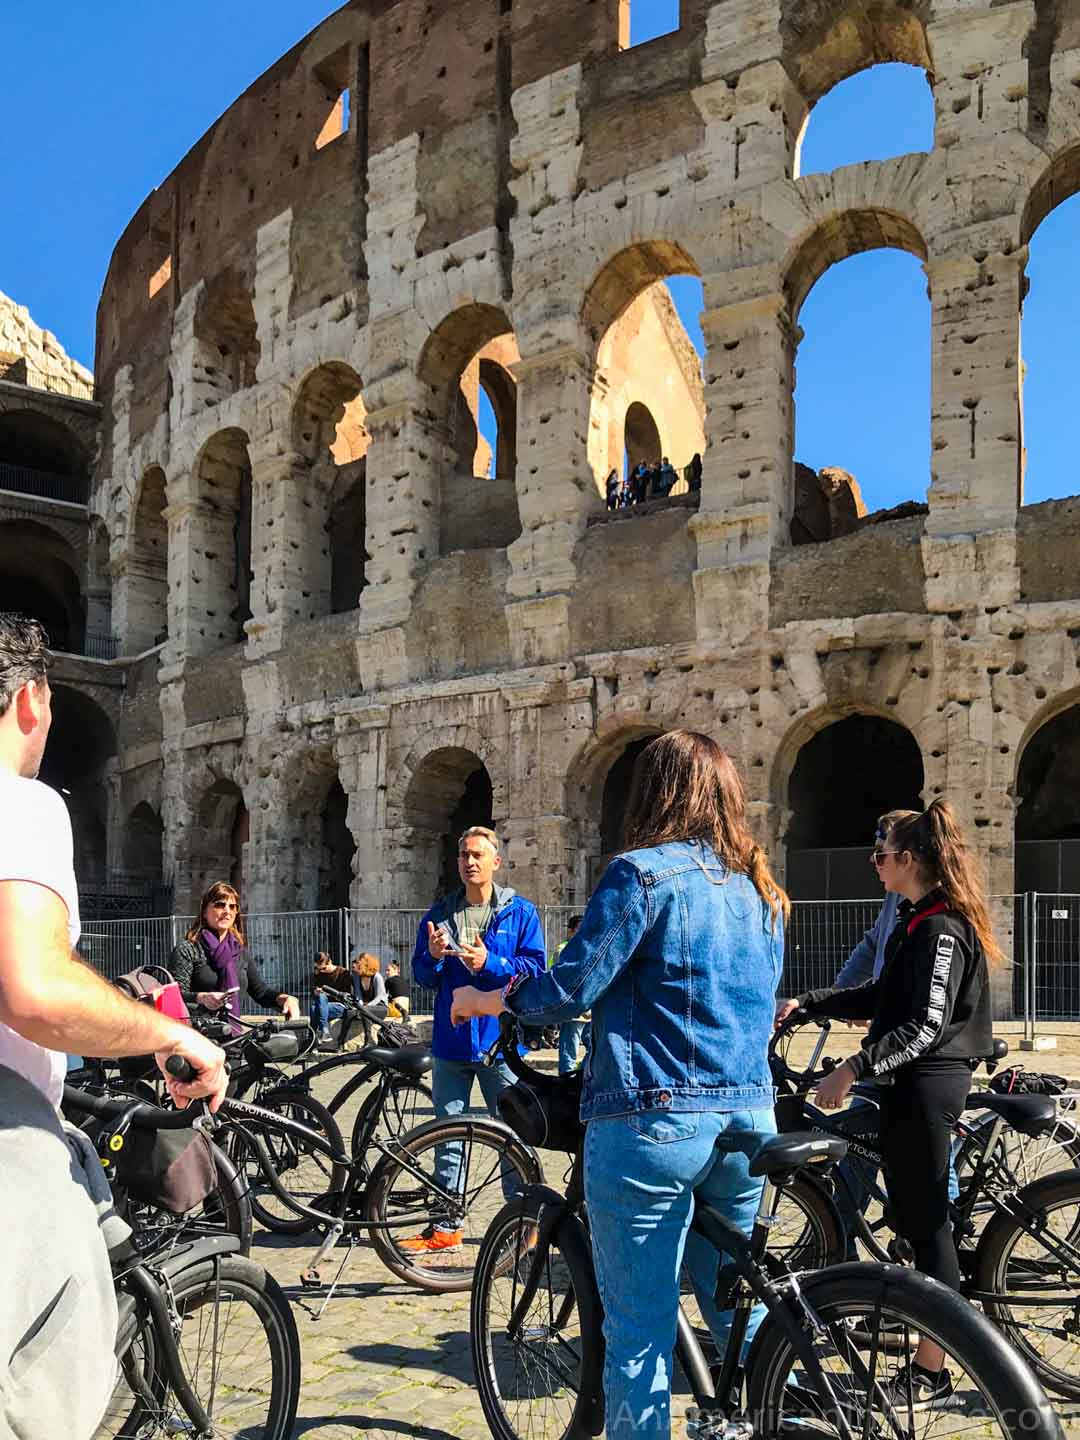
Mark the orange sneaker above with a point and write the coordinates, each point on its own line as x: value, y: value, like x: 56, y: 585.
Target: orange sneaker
x: 432, y: 1239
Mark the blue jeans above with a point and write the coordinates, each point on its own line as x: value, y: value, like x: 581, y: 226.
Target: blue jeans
x: 324, y: 1010
x: 451, y: 1093
x: 572, y: 1033
x: 642, y: 1175
x: 855, y: 1182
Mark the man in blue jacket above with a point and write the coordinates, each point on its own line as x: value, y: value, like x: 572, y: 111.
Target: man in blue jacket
x: 483, y: 934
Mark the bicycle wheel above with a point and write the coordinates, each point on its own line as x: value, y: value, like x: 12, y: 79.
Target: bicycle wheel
x: 1035, y: 1268
x: 992, y: 1392
x: 305, y: 1174
x: 225, y: 1211
x: 430, y: 1204
x: 533, y: 1383
x: 1016, y: 1160
x: 807, y: 1234
x: 408, y: 1103
x: 239, y: 1349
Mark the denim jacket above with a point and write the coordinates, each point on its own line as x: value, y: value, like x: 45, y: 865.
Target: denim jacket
x: 679, y: 960
x: 515, y: 946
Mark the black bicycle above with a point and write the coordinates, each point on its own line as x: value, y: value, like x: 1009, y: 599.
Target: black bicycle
x: 206, y: 1342
x: 827, y: 1359
x: 1018, y: 1245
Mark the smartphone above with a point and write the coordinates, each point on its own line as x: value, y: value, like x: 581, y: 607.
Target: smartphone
x: 450, y: 945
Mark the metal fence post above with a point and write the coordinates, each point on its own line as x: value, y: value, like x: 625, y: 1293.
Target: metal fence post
x: 1029, y: 968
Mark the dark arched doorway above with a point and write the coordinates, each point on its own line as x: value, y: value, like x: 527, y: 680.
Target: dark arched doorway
x: 450, y: 791
x: 338, y: 849
x: 846, y: 776
x: 81, y: 743
x: 1047, y: 819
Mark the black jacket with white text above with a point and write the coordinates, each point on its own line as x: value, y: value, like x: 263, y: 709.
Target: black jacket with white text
x: 932, y: 997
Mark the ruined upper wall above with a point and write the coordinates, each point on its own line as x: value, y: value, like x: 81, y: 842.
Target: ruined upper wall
x: 32, y: 356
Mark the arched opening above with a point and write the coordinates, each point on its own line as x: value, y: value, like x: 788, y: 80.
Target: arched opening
x: 219, y: 838
x: 337, y: 851
x: 147, y: 617
x: 221, y: 559
x: 643, y: 20
x: 883, y: 111
x: 468, y: 356
x: 1047, y: 820
x: 141, y: 854
x: 597, y: 792
x: 642, y: 438
x: 450, y: 791
x: 861, y: 449
x: 226, y: 340
x: 39, y: 456
x: 617, y: 790
x: 642, y: 317
x: 330, y: 433
x: 39, y: 576
x: 81, y: 743
x: 1049, y: 319
x: 844, y: 778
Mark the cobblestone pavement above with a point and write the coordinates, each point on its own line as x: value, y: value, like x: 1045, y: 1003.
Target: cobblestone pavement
x: 390, y: 1360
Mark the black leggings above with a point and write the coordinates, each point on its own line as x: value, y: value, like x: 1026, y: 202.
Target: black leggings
x: 918, y: 1112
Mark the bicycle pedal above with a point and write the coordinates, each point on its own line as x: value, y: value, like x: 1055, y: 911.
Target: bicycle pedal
x: 715, y: 1425
x: 310, y: 1279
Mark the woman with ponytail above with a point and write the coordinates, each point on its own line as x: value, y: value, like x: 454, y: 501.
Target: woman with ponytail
x: 930, y: 1023
x: 678, y: 955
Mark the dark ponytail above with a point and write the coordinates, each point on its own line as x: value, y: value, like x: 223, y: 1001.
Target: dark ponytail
x: 938, y: 844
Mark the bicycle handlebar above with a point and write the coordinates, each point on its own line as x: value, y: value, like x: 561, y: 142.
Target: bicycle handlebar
x: 139, y: 1113
x: 507, y: 1046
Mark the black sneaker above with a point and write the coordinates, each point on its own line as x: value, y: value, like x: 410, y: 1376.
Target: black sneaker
x: 919, y: 1388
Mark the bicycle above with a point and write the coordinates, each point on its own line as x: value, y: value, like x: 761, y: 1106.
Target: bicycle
x: 817, y: 1365
x: 406, y: 1189
x: 206, y: 1341
x: 1018, y: 1245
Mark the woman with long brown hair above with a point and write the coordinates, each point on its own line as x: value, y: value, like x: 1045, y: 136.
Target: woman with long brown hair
x: 213, y: 966
x: 930, y: 1021
x: 678, y: 956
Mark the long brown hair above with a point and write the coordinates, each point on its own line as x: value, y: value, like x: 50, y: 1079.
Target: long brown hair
x: 686, y: 787
x: 936, y: 841
x: 219, y: 890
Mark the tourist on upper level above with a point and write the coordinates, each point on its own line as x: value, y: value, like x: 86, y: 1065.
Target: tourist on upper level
x: 693, y: 474
x: 612, y: 486
x: 639, y: 483
x: 664, y: 479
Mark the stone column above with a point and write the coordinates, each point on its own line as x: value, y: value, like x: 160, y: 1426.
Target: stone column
x: 290, y: 548
x: 976, y: 435
x: 746, y: 495
x: 361, y: 752
x: 556, y: 490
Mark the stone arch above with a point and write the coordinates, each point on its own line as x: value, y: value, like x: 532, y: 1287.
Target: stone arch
x: 597, y: 789
x: 850, y: 146
x: 837, y: 773
x: 226, y: 339
x: 641, y: 438
x: 40, y: 575
x: 826, y: 41
x: 218, y: 838
x: 82, y: 743
x: 141, y: 844
x: 330, y: 435
x: 641, y: 354
x: 837, y: 237
x: 41, y: 456
x: 472, y: 346
x: 448, y: 791
x: 221, y: 543
x: 1047, y: 831
x: 146, y: 620
x: 316, y: 846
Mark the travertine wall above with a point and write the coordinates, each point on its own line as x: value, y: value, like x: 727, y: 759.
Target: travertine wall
x: 518, y: 174
x: 32, y: 356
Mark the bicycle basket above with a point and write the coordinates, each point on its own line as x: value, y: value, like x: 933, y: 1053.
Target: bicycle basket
x: 545, y: 1112
x: 397, y: 1035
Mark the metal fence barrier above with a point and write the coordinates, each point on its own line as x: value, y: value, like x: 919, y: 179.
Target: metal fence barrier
x: 1041, y: 934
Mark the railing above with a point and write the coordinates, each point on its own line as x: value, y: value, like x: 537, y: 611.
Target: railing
x: 1044, y: 944
x: 44, y: 484
x: 101, y: 647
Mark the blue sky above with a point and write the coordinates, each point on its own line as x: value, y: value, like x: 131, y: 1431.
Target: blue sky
x: 103, y: 100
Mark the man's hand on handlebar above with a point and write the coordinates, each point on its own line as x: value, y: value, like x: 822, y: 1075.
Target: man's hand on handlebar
x: 289, y: 1006
x: 784, y: 1008
x: 468, y: 1002
x: 207, y: 1058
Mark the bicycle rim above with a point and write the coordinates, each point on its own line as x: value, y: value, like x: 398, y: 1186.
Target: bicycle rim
x: 528, y: 1381
x: 407, y: 1104
x: 239, y: 1350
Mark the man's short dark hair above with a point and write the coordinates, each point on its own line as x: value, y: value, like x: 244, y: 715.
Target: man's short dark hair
x: 573, y: 923
x: 24, y: 654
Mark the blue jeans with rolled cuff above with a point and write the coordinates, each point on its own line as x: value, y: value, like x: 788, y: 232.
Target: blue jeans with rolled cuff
x: 451, y: 1092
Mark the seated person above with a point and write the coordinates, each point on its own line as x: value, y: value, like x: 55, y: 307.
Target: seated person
x: 369, y: 992
x: 397, y: 992
x: 330, y: 979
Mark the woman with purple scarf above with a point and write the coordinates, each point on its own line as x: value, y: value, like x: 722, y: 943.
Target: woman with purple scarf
x: 212, y: 965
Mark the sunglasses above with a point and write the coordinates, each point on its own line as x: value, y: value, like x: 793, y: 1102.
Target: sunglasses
x: 223, y: 904
x: 877, y: 857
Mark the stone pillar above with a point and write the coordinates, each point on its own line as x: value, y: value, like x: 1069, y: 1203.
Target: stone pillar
x: 976, y: 439
x: 746, y: 495
x: 361, y: 753
x: 290, y: 548
x: 556, y: 490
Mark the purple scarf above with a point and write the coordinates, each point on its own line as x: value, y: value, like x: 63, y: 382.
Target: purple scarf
x: 224, y: 956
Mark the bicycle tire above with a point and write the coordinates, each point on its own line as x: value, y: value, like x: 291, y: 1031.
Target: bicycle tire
x: 395, y: 1216
x: 273, y: 1387
x: 407, y: 1106
x: 303, y: 1173
x: 999, y: 1270
x: 857, y: 1295
x: 561, y: 1348
x: 1027, y: 1157
x: 817, y: 1239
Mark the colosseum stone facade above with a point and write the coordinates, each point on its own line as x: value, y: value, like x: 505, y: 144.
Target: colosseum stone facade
x: 341, y: 638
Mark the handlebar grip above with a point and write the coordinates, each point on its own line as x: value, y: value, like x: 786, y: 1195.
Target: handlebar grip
x: 181, y: 1069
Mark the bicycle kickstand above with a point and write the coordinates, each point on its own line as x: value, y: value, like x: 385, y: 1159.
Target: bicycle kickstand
x: 310, y: 1278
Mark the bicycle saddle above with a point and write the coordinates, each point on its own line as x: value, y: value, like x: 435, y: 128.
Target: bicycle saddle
x: 1030, y: 1114
x: 414, y: 1060
x: 781, y: 1154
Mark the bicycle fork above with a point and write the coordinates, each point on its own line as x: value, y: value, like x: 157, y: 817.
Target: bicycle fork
x: 162, y: 1315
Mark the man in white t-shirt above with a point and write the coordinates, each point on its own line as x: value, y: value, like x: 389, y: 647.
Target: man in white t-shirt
x: 57, y: 1311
